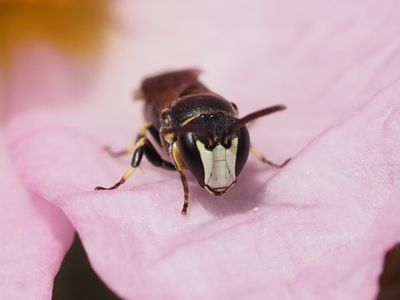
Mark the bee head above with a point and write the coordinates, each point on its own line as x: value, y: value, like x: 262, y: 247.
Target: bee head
x: 215, y: 147
x: 216, y: 156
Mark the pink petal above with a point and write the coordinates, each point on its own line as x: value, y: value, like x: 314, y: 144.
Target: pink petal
x: 34, y: 236
x: 350, y: 176
x: 330, y: 215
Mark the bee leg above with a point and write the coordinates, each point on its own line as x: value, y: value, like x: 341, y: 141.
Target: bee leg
x: 128, y: 150
x: 263, y: 159
x: 155, y: 159
x: 136, y: 159
x: 155, y: 134
x: 124, y: 178
x: 131, y: 148
x: 186, y: 192
x: 180, y: 166
x: 142, y: 146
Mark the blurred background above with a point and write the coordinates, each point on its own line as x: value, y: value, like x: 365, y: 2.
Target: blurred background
x: 50, y: 50
x: 43, y: 42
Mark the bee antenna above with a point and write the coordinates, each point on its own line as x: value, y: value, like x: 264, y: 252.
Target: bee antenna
x: 255, y: 115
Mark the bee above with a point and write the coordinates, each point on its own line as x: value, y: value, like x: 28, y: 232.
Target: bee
x: 199, y: 130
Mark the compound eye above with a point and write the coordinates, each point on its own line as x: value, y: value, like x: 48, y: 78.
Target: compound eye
x: 243, y: 149
x: 191, y: 156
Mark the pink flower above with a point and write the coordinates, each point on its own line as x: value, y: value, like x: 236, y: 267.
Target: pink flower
x: 317, y: 229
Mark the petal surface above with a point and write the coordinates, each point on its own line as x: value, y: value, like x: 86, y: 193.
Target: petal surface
x: 330, y: 214
x: 34, y: 235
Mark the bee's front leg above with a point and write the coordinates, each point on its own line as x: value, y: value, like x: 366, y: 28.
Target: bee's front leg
x: 185, y: 191
x: 181, y: 168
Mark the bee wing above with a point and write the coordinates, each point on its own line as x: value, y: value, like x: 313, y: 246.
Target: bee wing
x: 162, y: 90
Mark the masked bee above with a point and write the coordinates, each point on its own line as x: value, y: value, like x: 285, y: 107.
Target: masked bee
x: 199, y: 130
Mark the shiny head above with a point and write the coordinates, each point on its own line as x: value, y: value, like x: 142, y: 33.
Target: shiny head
x: 215, y: 147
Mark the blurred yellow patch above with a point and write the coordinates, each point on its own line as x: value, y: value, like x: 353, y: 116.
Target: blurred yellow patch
x: 76, y: 27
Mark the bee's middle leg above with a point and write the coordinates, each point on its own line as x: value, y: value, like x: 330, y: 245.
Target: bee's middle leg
x: 155, y: 158
x: 147, y: 127
x: 257, y: 154
x: 136, y: 159
x: 142, y: 146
